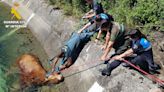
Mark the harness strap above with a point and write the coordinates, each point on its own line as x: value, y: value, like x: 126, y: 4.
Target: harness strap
x: 121, y: 31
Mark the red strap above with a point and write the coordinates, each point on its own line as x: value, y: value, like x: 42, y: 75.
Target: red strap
x: 149, y: 75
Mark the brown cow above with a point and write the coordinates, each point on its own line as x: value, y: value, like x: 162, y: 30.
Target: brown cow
x: 33, y: 73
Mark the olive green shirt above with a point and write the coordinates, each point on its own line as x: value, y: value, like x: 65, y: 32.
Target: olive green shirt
x: 116, y: 33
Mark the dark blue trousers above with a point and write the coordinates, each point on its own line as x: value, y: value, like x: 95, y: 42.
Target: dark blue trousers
x: 144, y: 61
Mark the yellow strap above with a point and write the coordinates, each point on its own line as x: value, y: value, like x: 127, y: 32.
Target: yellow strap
x: 16, y: 14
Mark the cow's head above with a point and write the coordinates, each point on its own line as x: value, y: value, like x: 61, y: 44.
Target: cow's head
x: 54, y: 78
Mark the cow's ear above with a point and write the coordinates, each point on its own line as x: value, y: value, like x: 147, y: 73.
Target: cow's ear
x: 62, y: 78
x: 54, y: 79
x: 59, y: 77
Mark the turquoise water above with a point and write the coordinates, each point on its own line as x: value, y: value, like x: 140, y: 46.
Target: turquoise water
x: 14, y: 43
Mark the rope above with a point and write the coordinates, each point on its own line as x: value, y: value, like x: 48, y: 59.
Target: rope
x: 148, y: 75
x: 128, y: 62
x: 76, y: 67
x: 84, y: 70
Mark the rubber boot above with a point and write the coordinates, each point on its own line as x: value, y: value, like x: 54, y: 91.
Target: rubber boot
x: 155, y: 67
x: 106, y: 71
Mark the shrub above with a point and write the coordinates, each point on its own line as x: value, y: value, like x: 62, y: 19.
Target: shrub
x: 146, y: 14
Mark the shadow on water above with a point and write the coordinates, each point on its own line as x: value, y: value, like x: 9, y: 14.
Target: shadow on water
x: 13, y: 43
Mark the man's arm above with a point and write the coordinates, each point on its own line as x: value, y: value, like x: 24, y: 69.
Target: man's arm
x: 98, y: 36
x: 56, y: 59
x: 89, y: 14
x: 127, y: 53
x: 85, y: 26
x: 107, y: 50
x: 123, y: 55
x: 107, y: 38
x: 91, y: 11
x: 112, y: 38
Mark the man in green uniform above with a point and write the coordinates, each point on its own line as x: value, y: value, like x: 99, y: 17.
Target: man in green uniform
x: 115, y: 38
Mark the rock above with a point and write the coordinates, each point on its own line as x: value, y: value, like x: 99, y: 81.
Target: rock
x: 156, y: 90
x: 161, y: 46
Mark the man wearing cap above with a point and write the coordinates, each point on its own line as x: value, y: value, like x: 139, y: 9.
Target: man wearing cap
x: 96, y: 8
x: 94, y: 24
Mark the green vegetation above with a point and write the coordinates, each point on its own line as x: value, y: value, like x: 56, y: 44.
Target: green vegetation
x: 3, y: 87
x: 3, y: 65
x: 145, y: 14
